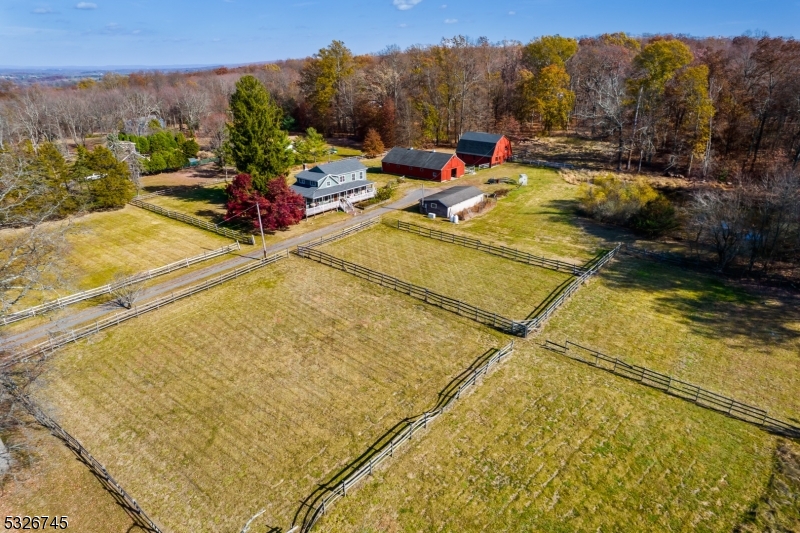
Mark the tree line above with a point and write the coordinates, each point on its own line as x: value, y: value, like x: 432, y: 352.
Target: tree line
x: 709, y: 107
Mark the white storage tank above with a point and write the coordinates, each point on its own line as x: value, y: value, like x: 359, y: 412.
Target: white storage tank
x: 523, y: 179
x: 454, y: 219
x: 431, y: 215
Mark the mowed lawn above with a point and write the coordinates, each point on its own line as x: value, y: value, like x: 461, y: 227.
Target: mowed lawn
x: 56, y: 483
x: 538, y: 218
x: 203, y: 202
x: 696, y: 327
x: 126, y: 241
x: 247, y: 396
x: 131, y: 240
x: 550, y: 445
x: 495, y: 284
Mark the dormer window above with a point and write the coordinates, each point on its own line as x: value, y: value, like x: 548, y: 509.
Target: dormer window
x: 342, y: 178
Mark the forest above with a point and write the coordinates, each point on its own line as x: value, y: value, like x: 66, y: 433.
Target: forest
x: 707, y: 107
x: 715, y: 110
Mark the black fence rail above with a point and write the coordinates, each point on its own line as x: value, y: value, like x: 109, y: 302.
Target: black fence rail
x: 355, y: 228
x: 502, y: 251
x: 322, y: 499
x: 125, y: 500
x: 415, y: 291
x: 236, y: 235
x: 675, y: 387
x: 568, y: 291
x: 45, y: 349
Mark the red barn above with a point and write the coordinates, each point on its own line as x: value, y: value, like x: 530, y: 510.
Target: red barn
x: 438, y: 166
x: 476, y: 148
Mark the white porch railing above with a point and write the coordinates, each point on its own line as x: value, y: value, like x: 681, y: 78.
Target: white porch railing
x: 334, y: 204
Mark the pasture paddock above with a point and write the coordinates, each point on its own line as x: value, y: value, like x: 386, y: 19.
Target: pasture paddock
x: 125, y: 241
x: 493, y: 283
x: 547, y: 444
x: 243, y: 397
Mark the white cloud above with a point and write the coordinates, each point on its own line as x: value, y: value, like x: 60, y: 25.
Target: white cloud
x: 403, y: 5
x: 85, y: 5
x: 403, y: 25
x: 444, y: 6
x: 512, y: 12
x: 42, y: 10
x: 450, y: 21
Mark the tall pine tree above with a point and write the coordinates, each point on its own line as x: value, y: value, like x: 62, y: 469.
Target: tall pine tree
x: 257, y: 144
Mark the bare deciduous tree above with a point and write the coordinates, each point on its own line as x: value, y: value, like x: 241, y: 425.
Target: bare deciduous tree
x: 126, y: 290
x: 30, y: 248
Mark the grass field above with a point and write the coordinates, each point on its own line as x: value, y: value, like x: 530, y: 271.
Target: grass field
x: 494, y: 284
x: 57, y: 484
x: 538, y: 218
x: 546, y: 444
x: 695, y: 327
x: 202, y: 202
x: 243, y: 397
x: 126, y: 241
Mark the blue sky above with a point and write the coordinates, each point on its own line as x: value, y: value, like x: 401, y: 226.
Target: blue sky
x: 210, y: 32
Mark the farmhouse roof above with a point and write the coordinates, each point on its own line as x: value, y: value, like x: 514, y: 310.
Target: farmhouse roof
x: 418, y: 158
x: 454, y: 195
x: 313, y: 193
x: 339, y: 167
x: 478, y: 143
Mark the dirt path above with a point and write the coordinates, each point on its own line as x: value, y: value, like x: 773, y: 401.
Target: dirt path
x: 42, y: 332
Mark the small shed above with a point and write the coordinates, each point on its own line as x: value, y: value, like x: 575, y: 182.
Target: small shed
x: 451, y: 201
x: 423, y: 164
x: 478, y: 148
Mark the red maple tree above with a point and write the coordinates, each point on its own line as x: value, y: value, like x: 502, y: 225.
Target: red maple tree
x: 280, y: 206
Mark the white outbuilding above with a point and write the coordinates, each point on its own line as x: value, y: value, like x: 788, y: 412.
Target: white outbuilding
x: 451, y: 201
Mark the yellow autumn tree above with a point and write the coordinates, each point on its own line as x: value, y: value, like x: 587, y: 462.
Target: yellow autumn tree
x: 696, y: 107
x: 547, y: 96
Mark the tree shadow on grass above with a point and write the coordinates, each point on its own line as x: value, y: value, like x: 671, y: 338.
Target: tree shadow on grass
x: 710, y: 306
x: 568, y: 212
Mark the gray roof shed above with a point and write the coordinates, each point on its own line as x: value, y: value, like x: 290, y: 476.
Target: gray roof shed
x: 454, y: 195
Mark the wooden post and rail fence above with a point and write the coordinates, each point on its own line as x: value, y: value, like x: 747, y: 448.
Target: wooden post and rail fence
x: 325, y: 498
x: 60, y: 303
x: 194, y: 221
x: 44, y: 349
x: 415, y: 291
x: 134, y: 510
x: 675, y: 387
x: 502, y: 251
x: 568, y: 291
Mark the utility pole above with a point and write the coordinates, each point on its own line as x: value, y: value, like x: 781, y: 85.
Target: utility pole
x: 261, y: 227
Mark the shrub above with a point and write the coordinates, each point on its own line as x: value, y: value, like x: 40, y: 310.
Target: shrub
x: 630, y: 203
x: 657, y: 217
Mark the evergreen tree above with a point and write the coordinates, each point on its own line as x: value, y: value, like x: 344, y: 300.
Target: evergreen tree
x: 256, y: 142
x: 106, y: 180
